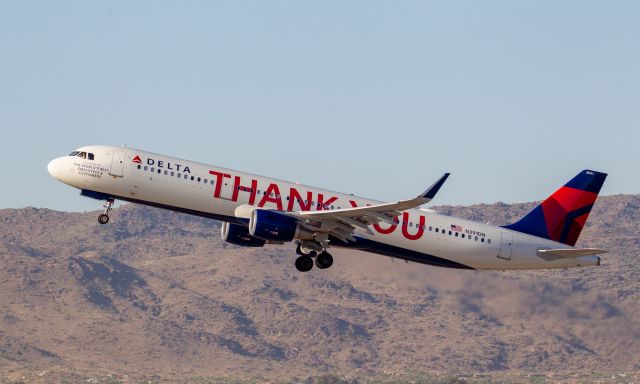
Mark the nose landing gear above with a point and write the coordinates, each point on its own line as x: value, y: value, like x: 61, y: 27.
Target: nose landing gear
x: 103, y: 218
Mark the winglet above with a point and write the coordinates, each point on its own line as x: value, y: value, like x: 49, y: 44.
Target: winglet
x: 430, y: 193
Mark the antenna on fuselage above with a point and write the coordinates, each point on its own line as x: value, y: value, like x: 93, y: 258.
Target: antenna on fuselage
x: 124, y: 145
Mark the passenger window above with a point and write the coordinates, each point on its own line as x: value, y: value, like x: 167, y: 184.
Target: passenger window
x: 166, y: 173
x: 139, y: 166
x: 482, y: 240
x: 146, y: 168
x: 152, y: 169
x: 211, y: 182
x: 199, y: 179
x: 205, y: 181
x: 159, y: 171
x: 456, y: 234
x: 173, y: 173
x: 179, y: 175
x: 192, y: 178
x: 437, y: 230
x: 186, y: 177
x: 430, y: 229
x: 463, y: 235
x: 488, y: 241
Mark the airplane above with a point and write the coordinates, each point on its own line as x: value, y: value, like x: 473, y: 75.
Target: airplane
x: 257, y: 211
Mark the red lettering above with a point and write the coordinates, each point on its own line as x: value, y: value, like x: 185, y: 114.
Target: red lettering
x: 252, y: 190
x: 277, y: 199
x: 294, y: 195
x: 219, y: 177
x: 405, y: 232
x: 384, y: 231
x: 325, y: 204
x: 377, y: 227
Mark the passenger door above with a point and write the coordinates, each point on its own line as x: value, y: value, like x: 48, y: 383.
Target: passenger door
x: 117, y: 164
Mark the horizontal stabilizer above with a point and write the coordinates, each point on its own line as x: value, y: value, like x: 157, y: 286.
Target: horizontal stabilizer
x: 570, y: 252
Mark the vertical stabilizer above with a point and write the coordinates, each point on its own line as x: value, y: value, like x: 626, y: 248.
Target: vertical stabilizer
x: 562, y: 215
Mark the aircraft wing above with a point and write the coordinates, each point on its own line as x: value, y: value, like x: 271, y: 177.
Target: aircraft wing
x: 342, y: 222
x: 570, y: 252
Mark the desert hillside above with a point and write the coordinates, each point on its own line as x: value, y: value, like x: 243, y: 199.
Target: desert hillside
x: 158, y: 293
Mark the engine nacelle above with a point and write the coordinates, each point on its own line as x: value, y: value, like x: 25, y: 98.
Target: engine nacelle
x: 239, y: 235
x: 275, y: 226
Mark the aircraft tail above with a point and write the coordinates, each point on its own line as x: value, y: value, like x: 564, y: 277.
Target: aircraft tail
x: 562, y: 215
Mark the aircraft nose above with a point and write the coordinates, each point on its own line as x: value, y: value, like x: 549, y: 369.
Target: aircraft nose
x: 54, y: 168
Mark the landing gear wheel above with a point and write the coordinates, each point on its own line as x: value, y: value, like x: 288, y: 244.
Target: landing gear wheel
x: 324, y: 260
x: 304, y: 263
x: 103, y: 218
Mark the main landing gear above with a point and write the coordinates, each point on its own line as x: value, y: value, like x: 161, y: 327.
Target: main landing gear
x: 310, y: 250
x: 104, y: 217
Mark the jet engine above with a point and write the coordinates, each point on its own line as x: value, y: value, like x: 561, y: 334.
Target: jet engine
x: 239, y: 235
x: 274, y: 226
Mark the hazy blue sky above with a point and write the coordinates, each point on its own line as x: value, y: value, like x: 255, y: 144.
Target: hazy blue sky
x: 374, y: 98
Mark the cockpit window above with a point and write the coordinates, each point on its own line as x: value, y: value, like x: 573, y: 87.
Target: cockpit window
x: 84, y: 155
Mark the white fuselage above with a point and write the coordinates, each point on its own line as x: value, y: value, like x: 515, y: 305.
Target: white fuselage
x: 206, y: 190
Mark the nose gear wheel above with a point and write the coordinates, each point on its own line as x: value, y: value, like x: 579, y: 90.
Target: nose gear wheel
x: 103, y: 218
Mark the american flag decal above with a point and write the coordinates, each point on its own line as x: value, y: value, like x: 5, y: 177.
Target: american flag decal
x: 456, y: 228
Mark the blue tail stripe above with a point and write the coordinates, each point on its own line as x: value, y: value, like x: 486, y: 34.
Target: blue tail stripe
x: 533, y: 224
x: 587, y: 180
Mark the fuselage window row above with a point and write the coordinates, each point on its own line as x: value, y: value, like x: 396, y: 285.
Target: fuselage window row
x: 173, y: 174
x: 457, y: 234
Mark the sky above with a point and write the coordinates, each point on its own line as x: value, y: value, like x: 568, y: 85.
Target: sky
x: 376, y: 98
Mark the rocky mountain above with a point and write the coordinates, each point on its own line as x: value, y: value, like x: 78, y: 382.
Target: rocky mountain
x: 158, y: 293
